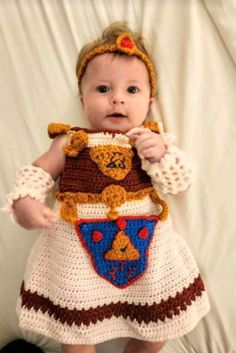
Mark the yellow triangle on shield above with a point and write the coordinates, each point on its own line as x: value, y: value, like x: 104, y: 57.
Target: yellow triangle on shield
x: 122, y: 249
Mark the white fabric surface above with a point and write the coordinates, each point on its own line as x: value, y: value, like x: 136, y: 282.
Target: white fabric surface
x: 194, y: 46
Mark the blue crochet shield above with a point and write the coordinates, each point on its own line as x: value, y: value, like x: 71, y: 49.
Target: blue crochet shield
x: 118, y: 249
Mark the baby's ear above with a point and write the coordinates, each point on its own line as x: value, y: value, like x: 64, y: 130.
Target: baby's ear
x: 81, y: 99
x: 151, y: 102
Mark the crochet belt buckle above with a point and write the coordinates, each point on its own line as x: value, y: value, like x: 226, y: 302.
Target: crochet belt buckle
x: 118, y: 249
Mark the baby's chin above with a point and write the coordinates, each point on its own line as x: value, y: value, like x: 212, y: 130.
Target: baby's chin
x: 112, y: 126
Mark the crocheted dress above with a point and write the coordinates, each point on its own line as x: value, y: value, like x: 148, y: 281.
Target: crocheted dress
x: 112, y: 265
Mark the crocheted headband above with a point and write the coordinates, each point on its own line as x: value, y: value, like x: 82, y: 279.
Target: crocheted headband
x: 124, y: 44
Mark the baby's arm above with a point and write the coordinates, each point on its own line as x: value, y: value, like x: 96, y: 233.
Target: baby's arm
x: 166, y: 164
x: 29, y: 208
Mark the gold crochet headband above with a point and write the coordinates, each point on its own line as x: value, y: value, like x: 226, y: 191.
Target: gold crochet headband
x: 124, y: 44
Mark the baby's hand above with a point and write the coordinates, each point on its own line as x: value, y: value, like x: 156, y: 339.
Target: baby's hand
x: 32, y: 214
x: 148, y: 144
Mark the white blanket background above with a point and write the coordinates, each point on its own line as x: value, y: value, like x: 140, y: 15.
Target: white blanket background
x: 194, y: 46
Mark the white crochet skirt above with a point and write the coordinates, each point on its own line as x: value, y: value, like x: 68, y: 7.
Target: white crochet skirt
x: 63, y: 295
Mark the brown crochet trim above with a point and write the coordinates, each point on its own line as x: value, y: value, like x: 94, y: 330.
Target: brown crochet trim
x: 55, y: 129
x: 152, y: 125
x: 141, y: 313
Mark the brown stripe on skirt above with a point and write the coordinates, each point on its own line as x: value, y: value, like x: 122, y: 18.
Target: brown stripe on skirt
x: 142, y: 313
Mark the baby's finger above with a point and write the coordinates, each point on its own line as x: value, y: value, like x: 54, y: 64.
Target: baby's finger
x: 144, y: 137
x: 47, y: 212
x: 46, y: 224
x: 39, y: 223
x: 146, y: 144
x: 136, y: 131
x: 49, y: 215
x: 140, y: 155
x: 148, y: 152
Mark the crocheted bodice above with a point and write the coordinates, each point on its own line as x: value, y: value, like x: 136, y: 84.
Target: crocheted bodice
x: 101, y: 167
x: 97, y: 167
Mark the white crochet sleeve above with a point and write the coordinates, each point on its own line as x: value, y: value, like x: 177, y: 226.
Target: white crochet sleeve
x: 172, y: 173
x: 30, y: 181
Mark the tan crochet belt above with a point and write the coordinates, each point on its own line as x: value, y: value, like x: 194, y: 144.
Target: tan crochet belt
x: 112, y: 196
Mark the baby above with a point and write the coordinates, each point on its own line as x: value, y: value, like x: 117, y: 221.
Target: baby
x: 111, y: 264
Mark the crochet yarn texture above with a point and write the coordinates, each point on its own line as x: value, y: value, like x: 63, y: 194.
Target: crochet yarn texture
x: 30, y: 181
x: 112, y: 266
x: 119, y: 175
x: 126, y: 45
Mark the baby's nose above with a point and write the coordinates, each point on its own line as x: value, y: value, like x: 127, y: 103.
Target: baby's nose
x: 117, y: 99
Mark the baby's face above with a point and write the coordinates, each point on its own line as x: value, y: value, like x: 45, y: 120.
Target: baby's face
x: 115, y: 92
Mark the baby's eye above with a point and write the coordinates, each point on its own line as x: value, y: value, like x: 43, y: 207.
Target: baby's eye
x: 133, y: 89
x: 103, y: 89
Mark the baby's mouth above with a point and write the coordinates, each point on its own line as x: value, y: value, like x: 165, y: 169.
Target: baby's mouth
x: 116, y: 115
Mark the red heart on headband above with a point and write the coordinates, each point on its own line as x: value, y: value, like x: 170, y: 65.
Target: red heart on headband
x: 126, y: 43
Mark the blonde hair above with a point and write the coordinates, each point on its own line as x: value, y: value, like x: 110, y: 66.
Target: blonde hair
x: 109, y: 36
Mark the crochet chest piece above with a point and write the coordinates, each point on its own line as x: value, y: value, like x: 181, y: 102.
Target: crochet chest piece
x: 103, y: 169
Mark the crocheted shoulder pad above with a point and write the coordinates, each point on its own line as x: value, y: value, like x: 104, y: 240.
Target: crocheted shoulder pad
x: 55, y: 129
x: 153, y: 126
